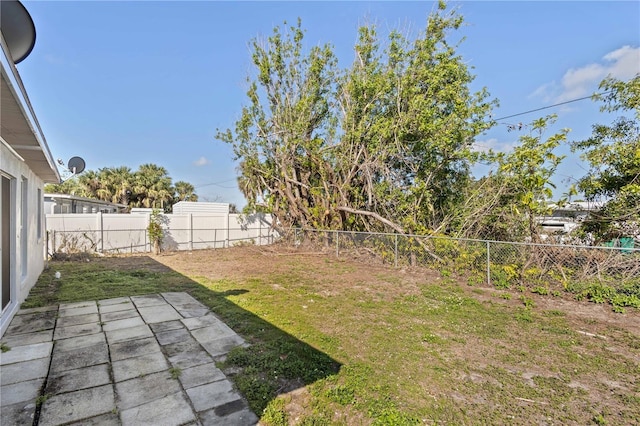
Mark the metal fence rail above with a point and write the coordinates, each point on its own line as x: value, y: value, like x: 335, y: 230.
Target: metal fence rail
x: 498, y: 263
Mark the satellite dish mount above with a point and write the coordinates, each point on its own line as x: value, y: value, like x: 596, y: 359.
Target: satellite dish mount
x: 75, y: 166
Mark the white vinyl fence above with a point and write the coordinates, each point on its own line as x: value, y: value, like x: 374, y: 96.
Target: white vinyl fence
x: 127, y: 233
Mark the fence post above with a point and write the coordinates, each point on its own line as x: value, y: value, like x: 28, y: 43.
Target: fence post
x: 488, y: 264
x: 101, y: 222
x: 215, y: 238
x: 337, y: 245
x: 190, y: 231
x: 53, y: 243
x: 395, y: 251
x: 228, y: 228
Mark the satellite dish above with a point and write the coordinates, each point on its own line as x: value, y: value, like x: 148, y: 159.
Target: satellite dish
x: 18, y: 29
x: 76, y: 165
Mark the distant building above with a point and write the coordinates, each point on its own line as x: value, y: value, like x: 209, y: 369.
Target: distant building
x: 66, y: 204
x: 568, y: 217
x: 141, y: 210
x: 186, y: 207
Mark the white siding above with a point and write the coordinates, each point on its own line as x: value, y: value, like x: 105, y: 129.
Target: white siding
x: 28, y: 249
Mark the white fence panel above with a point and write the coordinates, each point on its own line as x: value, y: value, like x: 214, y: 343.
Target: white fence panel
x: 123, y: 233
x: 128, y: 232
x: 209, y: 231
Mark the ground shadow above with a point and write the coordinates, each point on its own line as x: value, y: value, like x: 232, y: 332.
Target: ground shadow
x: 273, y: 363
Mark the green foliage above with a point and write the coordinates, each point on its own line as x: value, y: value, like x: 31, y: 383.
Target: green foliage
x: 599, y: 419
x: 527, y: 301
x: 155, y: 230
x: 627, y: 295
x: 175, y: 372
x: 4, y: 347
x: 504, y: 276
x: 274, y: 414
x: 343, y: 395
x: 528, y: 172
x: 542, y: 290
x: 613, y: 153
x: 385, y: 143
x: 150, y: 186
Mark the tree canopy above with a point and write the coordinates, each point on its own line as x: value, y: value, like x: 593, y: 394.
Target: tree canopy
x: 613, y: 154
x: 385, y: 144
x: 150, y: 186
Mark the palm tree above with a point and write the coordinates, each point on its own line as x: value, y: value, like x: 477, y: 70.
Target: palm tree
x: 90, y: 183
x: 153, y: 186
x: 122, y: 179
x: 184, y: 191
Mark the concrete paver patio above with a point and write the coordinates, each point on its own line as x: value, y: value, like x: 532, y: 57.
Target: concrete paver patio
x: 140, y: 360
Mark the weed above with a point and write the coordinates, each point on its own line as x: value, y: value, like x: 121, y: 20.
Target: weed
x: 506, y: 296
x: 527, y: 301
x: 599, y: 419
x: 343, y: 395
x: 476, y: 279
x: 274, y: 414
x: 523, y: 315
x: 175, y: 372
x: 41, y: 399
x: 4, y: 347
x: 542, y: 290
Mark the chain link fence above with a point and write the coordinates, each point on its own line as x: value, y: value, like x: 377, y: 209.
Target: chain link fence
x: 542, y: 267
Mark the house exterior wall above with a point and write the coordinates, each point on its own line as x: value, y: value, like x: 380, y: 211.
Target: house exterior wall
x: 27, y: 253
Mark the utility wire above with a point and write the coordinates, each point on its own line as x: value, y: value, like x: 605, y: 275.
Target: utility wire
x: 216, y: 184
x: 552, y: 106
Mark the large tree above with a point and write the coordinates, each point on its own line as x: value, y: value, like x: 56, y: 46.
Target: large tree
x: 383, y: 144
x: 613, y: 154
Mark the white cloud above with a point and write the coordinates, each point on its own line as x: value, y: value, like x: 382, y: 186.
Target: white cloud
x: 622, y: 63
x: 202, y: 161
x: 626, y: 62
x: 493, y: 144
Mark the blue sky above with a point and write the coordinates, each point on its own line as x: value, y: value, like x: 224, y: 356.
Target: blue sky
x: 128, y: 83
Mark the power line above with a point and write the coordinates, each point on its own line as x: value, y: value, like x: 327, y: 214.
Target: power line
x: 552, y: 106
x: 216, y: 184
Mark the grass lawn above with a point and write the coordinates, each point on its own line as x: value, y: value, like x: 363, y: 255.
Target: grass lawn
x: 335, y: 341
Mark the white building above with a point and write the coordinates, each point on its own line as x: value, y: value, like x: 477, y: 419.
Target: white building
x: 568, y: 217
x: 65, y: 203
x: 197, y: 207
x: 26, y: 165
